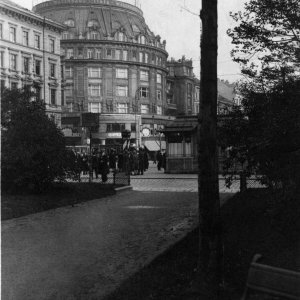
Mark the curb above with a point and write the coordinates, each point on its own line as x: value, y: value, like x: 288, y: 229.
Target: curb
x: 123, y: 188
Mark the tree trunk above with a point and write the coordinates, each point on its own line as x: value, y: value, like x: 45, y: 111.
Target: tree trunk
x: 210, y: 258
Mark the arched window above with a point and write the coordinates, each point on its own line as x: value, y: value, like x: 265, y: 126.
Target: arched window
x: 135, y: 28
x: 120, y: 36
x: 142, y: 39
x: 70, y: 23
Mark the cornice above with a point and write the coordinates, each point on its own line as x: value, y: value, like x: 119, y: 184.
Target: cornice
x: 113, y: 62
x: 31, y: 18
x: 79, y: 42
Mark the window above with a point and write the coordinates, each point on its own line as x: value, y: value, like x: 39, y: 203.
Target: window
x: 144, y: 75
x: 108, y: 53
x: 13, y: 61
x: 133, y: 127
x: 121, y: 91
x: 98, y: 54
x: 90, y: 53
x: 68, y: 72
x: 122, y: 108
x: 65, y: 36
x: 115, y: 127
x: 12, y: 34
x: 37, y: 41
x: 94, y: 90
x: 153, y: 58
x: 158, y: 95
x: 158, y: 78
x: 70, y: 106
x: 26, y: 64
x: 141, y: 55
x: 120, y: 36
x: 93, y: 35
x: 109, y: 107
x: 52, y: 96
x: 37, y: 91
x: 118, y: 54
x: 52, y: 69
x: 144, y: 108
x: 159, y: 109
x: 94, y: 72
x: 146, y: 57
x: 1, y: 58
x: 121, y: 73
x: 125, y: 55
x: 134, y: 55
x: 142, y: 39
x: 70, y: 53
x: 144, y: 92
x: 25, y: 37
x: 69, y: 91
x: 1, y: 31
x: 94, y: 107
x: 52, y: 45
x: 37, y: 67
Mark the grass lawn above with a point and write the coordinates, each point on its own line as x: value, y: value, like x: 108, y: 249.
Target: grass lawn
x: 64, y: 194
x: 253, y: 222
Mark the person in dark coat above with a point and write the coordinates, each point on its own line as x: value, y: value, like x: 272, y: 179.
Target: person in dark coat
x: 159, y: 160
x: 120, y: 162
x: 141, y: 158
x: 146, y: 160
x: 164, y: 161
x: 104, y: 168
x: 95, y: 164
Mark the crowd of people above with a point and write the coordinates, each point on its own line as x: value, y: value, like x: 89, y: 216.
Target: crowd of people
x: 132, y: 160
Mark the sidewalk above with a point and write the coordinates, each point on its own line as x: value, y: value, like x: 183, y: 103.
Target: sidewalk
x: 86, y: 251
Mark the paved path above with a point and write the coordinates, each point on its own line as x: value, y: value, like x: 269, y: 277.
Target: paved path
x: 84, y: 252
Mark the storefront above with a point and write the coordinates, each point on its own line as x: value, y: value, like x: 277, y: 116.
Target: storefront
x: 181, y: 145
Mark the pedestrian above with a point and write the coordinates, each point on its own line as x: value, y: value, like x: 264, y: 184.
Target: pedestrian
x: 104, y: 167
x: 141, y: 158
x: 159, y: 160
x: 164, y: 160
x: 146, y: 160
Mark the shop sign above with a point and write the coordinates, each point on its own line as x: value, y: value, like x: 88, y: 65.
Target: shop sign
x: 114, y: 135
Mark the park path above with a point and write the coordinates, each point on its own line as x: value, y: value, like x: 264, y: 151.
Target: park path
x: 86, y: 251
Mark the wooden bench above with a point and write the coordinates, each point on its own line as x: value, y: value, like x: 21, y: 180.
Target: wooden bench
x: 271, y: 281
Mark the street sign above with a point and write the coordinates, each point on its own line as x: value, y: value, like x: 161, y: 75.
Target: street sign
x: 90, y: 120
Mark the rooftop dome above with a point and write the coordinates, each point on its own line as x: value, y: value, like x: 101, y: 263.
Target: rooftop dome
x: 105, y: 19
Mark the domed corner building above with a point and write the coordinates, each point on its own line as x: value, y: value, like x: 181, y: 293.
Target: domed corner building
x: 114, y: 66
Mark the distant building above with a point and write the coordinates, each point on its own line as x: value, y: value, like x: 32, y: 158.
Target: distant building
x: 183, y: 90
x: 115, y: 66
x: 30, y: 54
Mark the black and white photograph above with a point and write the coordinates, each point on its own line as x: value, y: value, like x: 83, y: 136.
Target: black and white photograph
x: 150, y: 149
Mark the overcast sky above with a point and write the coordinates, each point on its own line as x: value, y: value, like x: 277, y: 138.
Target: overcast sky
x: 178, y: 22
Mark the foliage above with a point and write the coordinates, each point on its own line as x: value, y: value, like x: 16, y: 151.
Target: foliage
x: 267, y: 40
x: 264, y: 134
x: 33, y: 148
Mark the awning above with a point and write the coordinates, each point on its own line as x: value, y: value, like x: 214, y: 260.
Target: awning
x: 155, y: 145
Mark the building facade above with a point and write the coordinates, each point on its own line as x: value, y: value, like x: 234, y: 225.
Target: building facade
x: 114, y: 65
x: 30, y: 54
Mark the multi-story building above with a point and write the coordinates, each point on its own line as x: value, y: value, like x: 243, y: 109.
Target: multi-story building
x: 114, y: 66
x: 183, y: 90
x: 30, y: 54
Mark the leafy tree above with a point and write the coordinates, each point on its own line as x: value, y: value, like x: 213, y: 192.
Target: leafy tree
x: 267, y: 40
x: 264, y: 135
x: 33, y: 148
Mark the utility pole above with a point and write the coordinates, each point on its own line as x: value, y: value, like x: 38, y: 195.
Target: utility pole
x: 210, y: 245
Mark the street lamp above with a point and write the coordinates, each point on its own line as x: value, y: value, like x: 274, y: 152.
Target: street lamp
x: 137, y: 97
